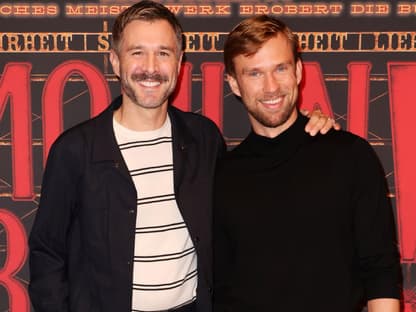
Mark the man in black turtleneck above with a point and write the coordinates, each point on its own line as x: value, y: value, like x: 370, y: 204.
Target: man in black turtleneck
x: 301, y: 223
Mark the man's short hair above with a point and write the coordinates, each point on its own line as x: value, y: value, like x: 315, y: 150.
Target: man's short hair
x: 145, y: 11
x: 251, y: 34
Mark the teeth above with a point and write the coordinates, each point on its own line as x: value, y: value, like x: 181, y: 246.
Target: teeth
x: 272, y: 102
x: 150, y: 83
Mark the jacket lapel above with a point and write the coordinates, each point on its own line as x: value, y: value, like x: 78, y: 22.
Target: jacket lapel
x: 183, y: 147
x: 121, y: 203
x: 105, y: 148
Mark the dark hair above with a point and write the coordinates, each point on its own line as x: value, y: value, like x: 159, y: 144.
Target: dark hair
x: 251, y: 34
x: 145, y: 11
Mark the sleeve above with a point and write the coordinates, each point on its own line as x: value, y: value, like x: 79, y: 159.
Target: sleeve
x: 218, y: 140
x: 223, y: 255
x: 48, y: 287
x: 374, y: 227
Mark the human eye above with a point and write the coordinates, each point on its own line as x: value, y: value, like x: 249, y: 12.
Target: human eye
x: 137, y: 52
x: 253, y: 73
x: 281, y: 68
x: 164, y: 53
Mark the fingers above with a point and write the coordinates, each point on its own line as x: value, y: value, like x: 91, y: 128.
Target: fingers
x: 328, y: 125
x: 305, y: 112
x: 319, y: 122
x: 315, y: 123
x: 335, y: 124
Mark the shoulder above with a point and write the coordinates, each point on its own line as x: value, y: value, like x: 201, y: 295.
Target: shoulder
x: 346, y: 149
x: 77, y: 132
x: 200, y: 128
x: 77, y: 138
x: 97, y: 125
x: 196, y: 129
x: 193, y: 120
x: 335, y: 146
x: 342, y: 140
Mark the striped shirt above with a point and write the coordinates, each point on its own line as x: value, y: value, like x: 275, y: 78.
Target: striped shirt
x: 165, y: 267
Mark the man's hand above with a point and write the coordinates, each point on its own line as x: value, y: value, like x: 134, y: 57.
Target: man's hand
x: 383, y: 305
x: 319, y: 122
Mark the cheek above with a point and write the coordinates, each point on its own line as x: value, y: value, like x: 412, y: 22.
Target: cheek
x: 295, y: 80
x: 123, y: 69
x: 250, y: 88
x: 172, y: 70
x: 131, y: 66
x: 289, y: 83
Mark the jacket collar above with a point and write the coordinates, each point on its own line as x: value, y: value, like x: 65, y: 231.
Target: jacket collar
x: 182, y: 147
x: 181, y: 133
x: 105, y: 146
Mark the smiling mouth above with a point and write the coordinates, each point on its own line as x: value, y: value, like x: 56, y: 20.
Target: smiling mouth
x: 148, y: 80
x: 272, y: 102
x: 149, y: 83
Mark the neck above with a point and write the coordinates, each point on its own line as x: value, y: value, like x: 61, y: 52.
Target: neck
x: 139, y: 118
x: 272, y: 132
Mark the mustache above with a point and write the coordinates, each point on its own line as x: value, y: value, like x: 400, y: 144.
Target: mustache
x: 147, y: 76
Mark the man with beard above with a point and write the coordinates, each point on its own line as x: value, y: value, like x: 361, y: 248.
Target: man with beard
x: 124, y: 221
x: 301, y: 223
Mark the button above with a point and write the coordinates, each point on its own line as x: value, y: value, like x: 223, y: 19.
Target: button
x: 196, y: 239
x: 128, y: 262
x: 116, y: 164
x: 131, y: 211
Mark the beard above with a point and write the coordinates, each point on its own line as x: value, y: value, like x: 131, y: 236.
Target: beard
x: 144, y: 100
x: 271, y: 120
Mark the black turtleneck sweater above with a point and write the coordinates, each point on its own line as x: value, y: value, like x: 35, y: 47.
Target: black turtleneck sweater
x: 303, y: 224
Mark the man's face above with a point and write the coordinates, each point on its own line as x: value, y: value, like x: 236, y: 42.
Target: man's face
x: 147, y: 62
x: 267, y: 83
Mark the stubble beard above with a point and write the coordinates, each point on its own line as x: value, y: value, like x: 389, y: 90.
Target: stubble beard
x: 135, y: 97
x: 268, y: 120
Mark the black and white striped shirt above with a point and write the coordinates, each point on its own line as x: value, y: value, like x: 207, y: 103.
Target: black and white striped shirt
x: 165, y: 266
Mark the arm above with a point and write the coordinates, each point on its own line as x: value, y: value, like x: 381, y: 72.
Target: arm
x: 222, y: 250
x: 48, y: 288
x: 374, y: 231
x: 319, y: 122
x: 384, y: 305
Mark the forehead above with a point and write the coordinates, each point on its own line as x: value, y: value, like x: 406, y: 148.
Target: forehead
x: 143, y: 33
x: 276, y: 50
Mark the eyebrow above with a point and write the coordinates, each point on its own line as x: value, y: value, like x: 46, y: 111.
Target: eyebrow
x: 161, y: 47
x: 250, y: 69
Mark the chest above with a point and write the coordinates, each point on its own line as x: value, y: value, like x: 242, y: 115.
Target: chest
x: 309, y: 195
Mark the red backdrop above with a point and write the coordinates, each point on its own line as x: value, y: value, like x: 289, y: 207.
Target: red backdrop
x: 360, y: 68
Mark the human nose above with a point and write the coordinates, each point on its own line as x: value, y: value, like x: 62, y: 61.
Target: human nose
x: 150, y: 63
x: 270, y: 83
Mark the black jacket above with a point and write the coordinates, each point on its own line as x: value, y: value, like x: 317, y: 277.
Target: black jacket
x: 82, y: 241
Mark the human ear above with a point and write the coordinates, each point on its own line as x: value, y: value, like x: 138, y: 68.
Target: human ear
x: 232, y: 82
x: 180, y: 62
x: 115, y: 62
x: 299, y: 68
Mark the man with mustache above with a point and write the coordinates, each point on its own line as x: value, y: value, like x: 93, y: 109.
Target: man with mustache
x: 124, y: 221
x: 301, y: 223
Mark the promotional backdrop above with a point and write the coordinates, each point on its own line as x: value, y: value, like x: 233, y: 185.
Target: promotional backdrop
x: 360, y: 68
